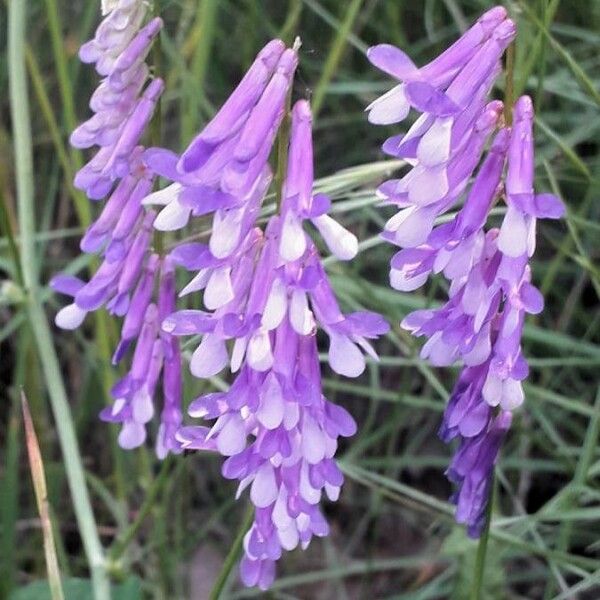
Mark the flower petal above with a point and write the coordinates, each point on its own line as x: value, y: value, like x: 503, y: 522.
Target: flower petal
x: 339, y: 240
x: 70, y: 317
x: 292, y: 244
x: 392, y: 107
x: 209, y: 358
x: 393, y: 61
x: 344, y: 356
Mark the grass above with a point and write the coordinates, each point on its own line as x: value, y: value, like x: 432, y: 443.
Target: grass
x: 163, y: 525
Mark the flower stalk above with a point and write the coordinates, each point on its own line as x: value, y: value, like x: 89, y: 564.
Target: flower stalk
x: 233, y: 555
x: 482, y: 547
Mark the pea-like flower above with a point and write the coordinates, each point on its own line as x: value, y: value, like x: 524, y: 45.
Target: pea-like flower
x: 490, y: 290
x: 132, y: 280
x: 222, y: 168
x: 274, y: 425
x: 122, y: 104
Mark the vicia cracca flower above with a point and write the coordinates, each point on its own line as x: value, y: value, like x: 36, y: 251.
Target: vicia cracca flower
x: 132, y: 281
x: 274, y: 425
x: 122, y: 104
x: 224, y: 166
x: 445, y: 143
x: 490, y: 289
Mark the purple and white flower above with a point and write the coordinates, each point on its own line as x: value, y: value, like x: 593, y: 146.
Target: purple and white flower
x: 122, y: 103
x: 274, y: 424
x: 130, y: 271
x: 224, y: 166
x: 490, y: 289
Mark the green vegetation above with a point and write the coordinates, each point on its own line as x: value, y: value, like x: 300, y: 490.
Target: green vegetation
x: 165, y: 530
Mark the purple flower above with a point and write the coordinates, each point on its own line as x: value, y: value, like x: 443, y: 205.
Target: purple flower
x: 482, y: 322
x: 288, y: 462
x: 445, y: 86
x: 126, y: 287
x: 471, y: 469
x: 445, y: 144
x: 454, y: 247
x: 490, y: 289
x: 134, y: 393
x: 114, y: 281
x: 125, y: 281
x: 269, y: 295
x: 517, y: 234
x: 122, y: 107
x: 171, y: 415
x: 224, y: 168
x: 155, y: 353
x: 423, y: 193
x: 299, y: 203
x: 276, y: 400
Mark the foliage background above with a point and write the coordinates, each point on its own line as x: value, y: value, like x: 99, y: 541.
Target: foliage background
x: 392, y: 531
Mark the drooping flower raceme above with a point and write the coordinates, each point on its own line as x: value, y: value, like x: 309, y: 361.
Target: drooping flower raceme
x: 223, y: 169
x: 490, y: 289
x: 274, y: 425
x: 445, y: 144
x: 125, y: 282
x: 122, y: 104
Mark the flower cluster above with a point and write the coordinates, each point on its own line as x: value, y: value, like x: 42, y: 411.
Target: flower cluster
x: 130, y: 271
x: 490, y: 289
x: 264, y: 290
x: 122, y: 103
x: 265, y: 293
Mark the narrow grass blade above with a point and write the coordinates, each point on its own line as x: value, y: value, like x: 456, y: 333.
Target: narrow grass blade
x: 204, y: 33
x: 9, y: 494
x: 81, y: 204
x: 587, y: 85
x: 318, y: 9
x: 335, y: 55
x: 20, y: 117
x: 36, y: 465
x: 586, y: 456
x: 569, y: 153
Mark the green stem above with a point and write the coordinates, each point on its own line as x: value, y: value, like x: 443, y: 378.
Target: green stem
x: 39, y: 87
x: 19, y: 106
x: 62, y: 71
x: 9, y: 503
x: 7, y: 232
x: 482, y: 546
x: 66, y: 93
x: 283, y: 139
x: 126, y: 538
x: 233, y: 555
